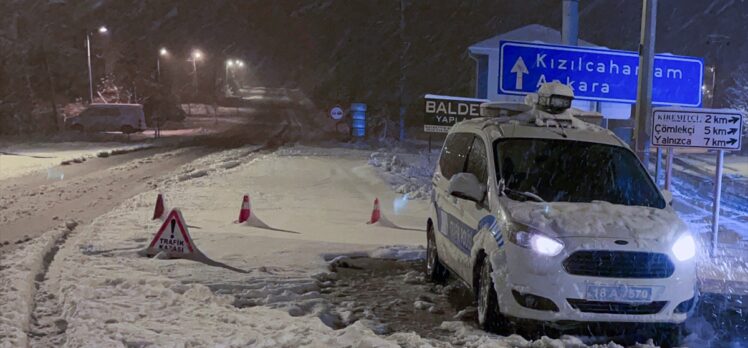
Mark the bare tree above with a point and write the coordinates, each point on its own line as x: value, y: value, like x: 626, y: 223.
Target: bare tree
x: 737, y: 94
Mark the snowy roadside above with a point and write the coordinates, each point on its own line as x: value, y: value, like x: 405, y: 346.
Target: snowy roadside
x: 105, y: 292
x: 726, y: 273
x: 735, y: 166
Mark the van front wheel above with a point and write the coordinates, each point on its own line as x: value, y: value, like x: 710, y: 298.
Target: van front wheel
x: 489, y: 315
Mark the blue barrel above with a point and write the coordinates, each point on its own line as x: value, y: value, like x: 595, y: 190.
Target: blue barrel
x: 358, y: 113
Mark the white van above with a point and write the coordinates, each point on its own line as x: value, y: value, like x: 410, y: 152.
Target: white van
x: 126, y: 118
x: 553, y: 220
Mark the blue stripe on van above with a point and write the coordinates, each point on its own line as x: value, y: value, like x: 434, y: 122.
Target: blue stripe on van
x: 460, y: 234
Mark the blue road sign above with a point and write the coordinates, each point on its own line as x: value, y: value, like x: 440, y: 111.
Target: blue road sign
x: 598, y: 74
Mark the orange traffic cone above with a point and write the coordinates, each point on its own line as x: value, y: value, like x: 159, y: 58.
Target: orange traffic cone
x: 375, y: 213
x: 244, y: 213
x: 158, y: 212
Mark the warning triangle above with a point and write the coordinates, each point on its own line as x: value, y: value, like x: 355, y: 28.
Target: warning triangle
x: 173, y: 238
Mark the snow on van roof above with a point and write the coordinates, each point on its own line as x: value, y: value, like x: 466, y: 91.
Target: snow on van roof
x: 537, y: 124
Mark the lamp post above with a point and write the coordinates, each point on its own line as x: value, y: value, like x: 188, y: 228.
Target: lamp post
x: 161, y: 53
x: 229, y: 64
x: 102, y: 30
x: 196, y: 55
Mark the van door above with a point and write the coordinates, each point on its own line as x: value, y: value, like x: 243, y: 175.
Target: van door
x: 447, y: 224
x: 103, y: 118
x: 474, y: 212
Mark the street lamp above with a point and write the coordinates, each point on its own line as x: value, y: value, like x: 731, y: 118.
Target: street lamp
x: 161, y: 53
x: 102, y: 30
x: 196, y: 55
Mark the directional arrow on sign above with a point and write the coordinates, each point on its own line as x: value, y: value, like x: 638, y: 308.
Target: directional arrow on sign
x: 520, y: 69
x: 732, y: 131
x: 732, y: 141
x: 734, y: 119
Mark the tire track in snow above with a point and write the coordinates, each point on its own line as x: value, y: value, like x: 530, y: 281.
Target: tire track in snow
x: 46, y: 327
x: 21, y: 273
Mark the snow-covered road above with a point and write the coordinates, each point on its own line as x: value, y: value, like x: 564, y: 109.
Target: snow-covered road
x: 106, y: 295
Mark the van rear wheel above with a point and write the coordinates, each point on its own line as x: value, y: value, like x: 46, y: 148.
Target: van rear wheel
x: 126, y: 129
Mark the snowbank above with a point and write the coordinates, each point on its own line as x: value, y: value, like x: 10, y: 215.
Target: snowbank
x: 408, y: 174
x: 18, y: 160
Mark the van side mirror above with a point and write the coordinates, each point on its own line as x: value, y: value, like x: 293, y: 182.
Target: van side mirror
x: 668, y: 196
x: 466, y: 186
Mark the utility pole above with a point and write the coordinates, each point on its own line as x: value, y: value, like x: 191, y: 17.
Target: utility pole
x: 90, y: 74
x: 570, y: 23
x: 161, y: 53
x: 194, y: 73
x: 401, y: 84
x: 102, y: 30
x: 644, y: 90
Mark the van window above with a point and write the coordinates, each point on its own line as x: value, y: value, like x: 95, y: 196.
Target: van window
x: 477, y: 162
x: 455, y: 151
x: 108, y: 112
x: 101, y: 112
x: 576, y: 171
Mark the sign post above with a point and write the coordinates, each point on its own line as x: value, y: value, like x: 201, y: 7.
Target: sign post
x: 713, y: 129
x: 717, y: 196
x: 669, y: 168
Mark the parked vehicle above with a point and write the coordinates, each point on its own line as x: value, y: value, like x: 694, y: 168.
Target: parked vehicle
x: 126, y: 118
x: 553, y: 220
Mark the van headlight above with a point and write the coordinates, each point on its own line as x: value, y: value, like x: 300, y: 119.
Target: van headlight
x: 685, y: 247
x: 538, y: 242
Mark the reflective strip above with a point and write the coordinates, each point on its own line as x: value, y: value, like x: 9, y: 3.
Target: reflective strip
x: 460, y: 234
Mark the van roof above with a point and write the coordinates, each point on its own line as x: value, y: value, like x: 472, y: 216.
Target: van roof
x: 116, y: 104
x: 525, y: 126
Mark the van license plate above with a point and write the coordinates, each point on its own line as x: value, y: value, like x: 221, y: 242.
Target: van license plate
x: 619, y: 293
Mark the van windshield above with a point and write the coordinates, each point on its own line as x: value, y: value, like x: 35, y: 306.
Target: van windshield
x: 574, y: 171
